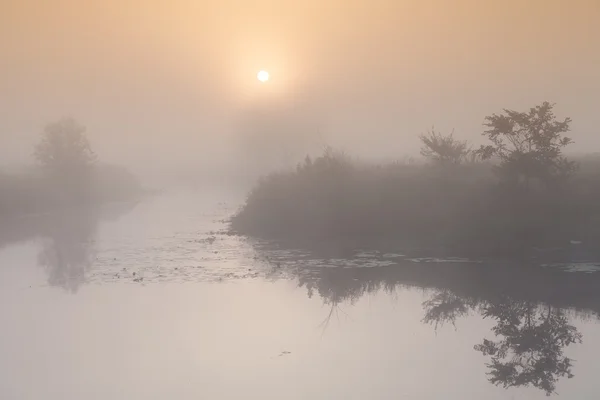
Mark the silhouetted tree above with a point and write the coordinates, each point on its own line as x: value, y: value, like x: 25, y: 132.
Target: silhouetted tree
x: 64, y: 148
x: 444, y: 149
x: 531, y: 349
x: 529, y: 145
x: 67, y: 159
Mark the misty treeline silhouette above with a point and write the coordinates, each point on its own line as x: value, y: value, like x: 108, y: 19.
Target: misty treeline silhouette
x: 527, y: 145
x: 66, y: 173
x: 512, y: 197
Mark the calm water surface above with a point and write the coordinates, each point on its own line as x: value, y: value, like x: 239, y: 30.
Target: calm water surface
x: 154, y: 301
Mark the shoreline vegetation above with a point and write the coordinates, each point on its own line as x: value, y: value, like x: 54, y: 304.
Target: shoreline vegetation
x: 66, y: 175
x: 515, y: 198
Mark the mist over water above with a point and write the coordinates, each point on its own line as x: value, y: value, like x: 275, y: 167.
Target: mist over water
x: 157, y: 298
x: 407, y: 208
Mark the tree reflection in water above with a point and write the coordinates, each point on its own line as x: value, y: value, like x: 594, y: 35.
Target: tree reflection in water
x: 527, y: 304
x: 530, y: 347
x: 445, y: 307
x: 67, y: 239
x: 530, y: 338
x: 66, y: 252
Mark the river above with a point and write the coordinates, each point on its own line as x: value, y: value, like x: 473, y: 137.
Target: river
x: 155, y: 301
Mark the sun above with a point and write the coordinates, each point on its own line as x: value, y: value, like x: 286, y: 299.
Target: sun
x: 262, y: 76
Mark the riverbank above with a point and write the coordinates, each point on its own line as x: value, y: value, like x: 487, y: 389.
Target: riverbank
x: 460, y: 209
x: 32, y: 192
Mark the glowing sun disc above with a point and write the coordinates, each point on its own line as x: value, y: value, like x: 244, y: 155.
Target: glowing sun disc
x: 262, y: 76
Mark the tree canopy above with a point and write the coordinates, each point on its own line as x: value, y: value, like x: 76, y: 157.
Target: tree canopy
x: 443, y: 149
x: 529, y: 144
x: 64, y: 147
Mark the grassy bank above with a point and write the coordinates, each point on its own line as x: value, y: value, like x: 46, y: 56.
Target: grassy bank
x: 459, y: 208
x: 34, y: 191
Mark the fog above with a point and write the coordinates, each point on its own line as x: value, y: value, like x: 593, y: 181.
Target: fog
x: 140, y: 256
x: 171, y: 86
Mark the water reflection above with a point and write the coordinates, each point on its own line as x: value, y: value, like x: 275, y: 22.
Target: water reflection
x: 445, y: 307
x: 530, y: 344
x: 67, y: 250
x: 534, y: 309
x: 530, y: 338
x: 67, y: 238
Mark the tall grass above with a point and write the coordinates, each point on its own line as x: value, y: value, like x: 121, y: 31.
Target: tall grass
x: 459, y: 208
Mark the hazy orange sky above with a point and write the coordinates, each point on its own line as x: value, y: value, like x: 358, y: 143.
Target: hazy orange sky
x: 171, y: 81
